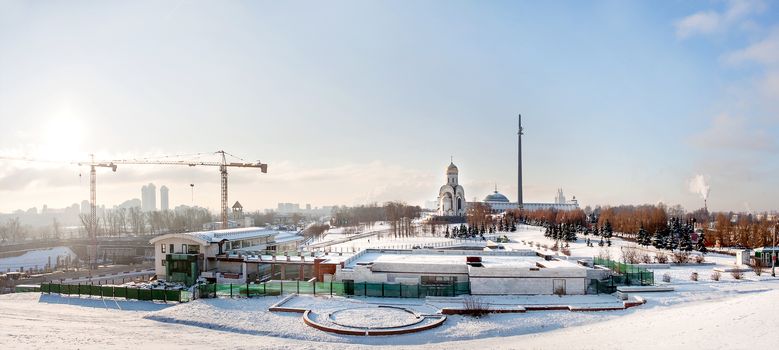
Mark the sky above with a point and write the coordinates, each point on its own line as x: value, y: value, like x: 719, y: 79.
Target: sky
x: 352, y: 102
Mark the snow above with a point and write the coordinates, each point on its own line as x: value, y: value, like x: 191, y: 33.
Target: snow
x: 35, y: 258
x: 373, y: 317
x: 724, y: 314
x: 33, y: 320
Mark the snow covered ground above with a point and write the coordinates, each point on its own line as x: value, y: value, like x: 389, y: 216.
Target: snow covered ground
x: 35, y: 259
x: 725, y: 314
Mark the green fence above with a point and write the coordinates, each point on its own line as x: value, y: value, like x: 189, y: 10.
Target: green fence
x: 627, y: 274
x: 116, y: 292
x: 390, y: 290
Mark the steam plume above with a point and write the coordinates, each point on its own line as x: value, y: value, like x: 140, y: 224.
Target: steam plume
x: 698, y: 185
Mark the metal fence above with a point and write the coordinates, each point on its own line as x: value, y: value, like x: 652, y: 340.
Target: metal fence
x: 627, y: 274
x: 389, y: 290
x: 116, y: 292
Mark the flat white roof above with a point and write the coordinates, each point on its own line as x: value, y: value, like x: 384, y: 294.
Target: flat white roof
x: 502, y: 261
x: 230, y: 234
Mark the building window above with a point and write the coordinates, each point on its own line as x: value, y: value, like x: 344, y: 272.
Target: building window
x: 438, y: 280
x: 162, y: 248
x: 164, y: 262
x: 171, y: 248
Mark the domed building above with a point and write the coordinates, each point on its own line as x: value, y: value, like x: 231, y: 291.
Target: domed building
x: 498, y: 202
x: 451, y: 197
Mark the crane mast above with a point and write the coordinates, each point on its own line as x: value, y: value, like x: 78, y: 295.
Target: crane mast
x: 92, y: 221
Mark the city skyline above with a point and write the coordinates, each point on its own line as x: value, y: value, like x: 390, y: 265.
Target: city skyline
x: 359, y: 103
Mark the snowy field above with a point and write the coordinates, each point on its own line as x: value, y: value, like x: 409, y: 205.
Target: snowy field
x: 35, y: 259
x: 725, y: 314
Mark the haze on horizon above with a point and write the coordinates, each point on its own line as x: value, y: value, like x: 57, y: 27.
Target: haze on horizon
x: 355, y: 102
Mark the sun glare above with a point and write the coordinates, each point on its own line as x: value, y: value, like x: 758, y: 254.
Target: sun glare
x: 62, y: 140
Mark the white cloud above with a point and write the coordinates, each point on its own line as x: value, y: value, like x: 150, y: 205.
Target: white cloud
x: 698, y: 23
x: 765, y: 52
x: 734, y: 133
x: 708, y: 22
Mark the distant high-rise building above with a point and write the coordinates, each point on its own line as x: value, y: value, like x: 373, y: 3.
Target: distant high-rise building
x: 164, y: 198
x: 85, y: 207
x: 288, y: 207
x: 149, y: 197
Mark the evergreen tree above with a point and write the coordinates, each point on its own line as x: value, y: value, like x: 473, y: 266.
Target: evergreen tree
x: 644, y: 238
x: 700, y: 245
x: 513, y: 227
x: 685, y: 240
x: 657, y: 239
x: 595, y: 231
x: 607, y: 230
x: 676, y: 234
x: 571, y: 235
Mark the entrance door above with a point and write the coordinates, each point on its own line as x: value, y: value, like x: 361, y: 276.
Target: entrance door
x: 558, y: 287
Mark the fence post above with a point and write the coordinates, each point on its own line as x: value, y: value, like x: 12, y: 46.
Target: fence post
x: 231, y: 290
x: 79, y: 289
x: 365, y: 289
x: 298, y: 286
x: 382, y: 289
x: 264, y: 291
x: 281, y: 287
x: 331, y: 288
x: 126, y: 296
x: 314, y: 284
x: 248, y: 293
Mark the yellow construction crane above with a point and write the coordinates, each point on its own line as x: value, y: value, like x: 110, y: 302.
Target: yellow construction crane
x: 223, y: 165
x: 93, y: 164
x: 92, y: 229
x: 92, y: 220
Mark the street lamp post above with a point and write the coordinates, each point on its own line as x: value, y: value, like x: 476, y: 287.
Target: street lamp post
x: 773, y: 252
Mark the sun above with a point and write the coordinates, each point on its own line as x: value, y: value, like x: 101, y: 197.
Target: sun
x: 62, y: 139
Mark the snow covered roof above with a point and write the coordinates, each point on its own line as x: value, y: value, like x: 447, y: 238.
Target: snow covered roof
x: 288, y: 236
x: 215, y: 236
x: 434, y: 258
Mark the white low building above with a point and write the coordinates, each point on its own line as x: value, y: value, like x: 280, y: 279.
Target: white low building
x: 489, y: 272
x: 216, y: 254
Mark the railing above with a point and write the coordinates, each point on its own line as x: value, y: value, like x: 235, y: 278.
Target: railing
x: 116, y: 292
x: 628, y: 274
x: 390, y: 290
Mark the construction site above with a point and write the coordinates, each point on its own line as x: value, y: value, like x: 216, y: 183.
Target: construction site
x: 93, y: 255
